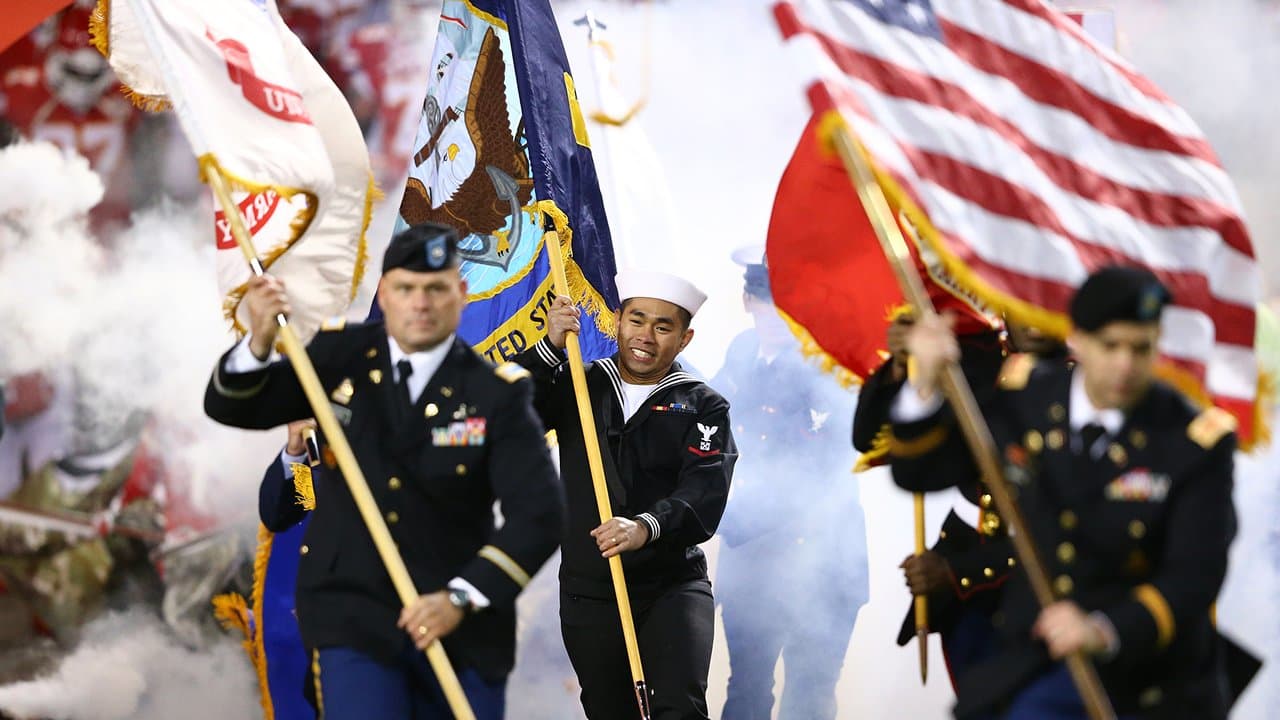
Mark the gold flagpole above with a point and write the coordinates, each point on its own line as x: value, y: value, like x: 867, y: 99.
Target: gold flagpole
x: 337, y: 440
x: 596, y: 463
x: 957, y: 391
x: 921, y: 601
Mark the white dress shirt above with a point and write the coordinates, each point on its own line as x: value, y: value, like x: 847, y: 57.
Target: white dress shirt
x: 425, y: 364
x: 1081, y: 411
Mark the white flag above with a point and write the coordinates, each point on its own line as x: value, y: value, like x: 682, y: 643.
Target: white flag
x: 260, y: 112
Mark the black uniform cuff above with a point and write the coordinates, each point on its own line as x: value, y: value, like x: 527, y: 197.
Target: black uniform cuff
x: 497, y: 575
x: 651, y: 522
x: 237, y: 386
x: 549, y: 354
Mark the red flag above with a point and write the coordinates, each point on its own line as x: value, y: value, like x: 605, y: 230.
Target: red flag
x: 826, y: 267
x: 21, y: 17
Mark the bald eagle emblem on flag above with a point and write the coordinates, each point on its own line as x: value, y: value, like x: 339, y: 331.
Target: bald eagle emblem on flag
x: 472, y: 171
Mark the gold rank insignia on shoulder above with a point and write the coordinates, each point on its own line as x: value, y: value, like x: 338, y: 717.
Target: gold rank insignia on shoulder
x: 1016, y: 371
x: 511, y: 372
x: 333, y: 324
x: 343, y: 393
x: 1210, y: 427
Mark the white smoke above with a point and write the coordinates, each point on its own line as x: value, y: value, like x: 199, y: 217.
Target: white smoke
x: 129, y: 668
x: 162, y: 330
x: 46, y: 252
x: 128, y: 329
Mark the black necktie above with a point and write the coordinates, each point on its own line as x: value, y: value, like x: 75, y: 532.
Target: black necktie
x: 405, y: 369
x: 1089, y: 436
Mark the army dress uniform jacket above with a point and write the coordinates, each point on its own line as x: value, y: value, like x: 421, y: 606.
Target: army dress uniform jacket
x: 1139, y: 534
x: 279, y: 500
x: 435, y: 471
x: 669, y: 467
x: 979, y: 558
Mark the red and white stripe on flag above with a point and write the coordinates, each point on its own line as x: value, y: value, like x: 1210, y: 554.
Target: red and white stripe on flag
x: 1030, y: 154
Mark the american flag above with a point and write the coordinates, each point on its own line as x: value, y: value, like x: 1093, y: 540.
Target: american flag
x: 1100, y: 24
x: 1035, y: 154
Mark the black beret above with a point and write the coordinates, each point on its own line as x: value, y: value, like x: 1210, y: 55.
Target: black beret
x: 427, y: 247
x: 1118, y: 293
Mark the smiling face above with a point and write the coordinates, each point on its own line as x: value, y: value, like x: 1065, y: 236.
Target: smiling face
x: 421, y: 309
x: 651, y: 333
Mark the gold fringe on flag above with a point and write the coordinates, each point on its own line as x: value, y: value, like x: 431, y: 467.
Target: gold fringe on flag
x: 814, y: 352
x: 256, y: 649
x: 580, y: 291
x: 898, y: 312
x: 372, y: 195
x: 146, y: 103
x: 100, y: 39
x: 303, y: 486
x: 232, y: 613
x: 208, y: 163
x: 100, y: 28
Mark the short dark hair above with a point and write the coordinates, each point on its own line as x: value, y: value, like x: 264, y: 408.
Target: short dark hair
x: 686, y: 318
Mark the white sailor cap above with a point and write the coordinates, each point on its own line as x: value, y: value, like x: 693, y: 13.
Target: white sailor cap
x: 662, y: 286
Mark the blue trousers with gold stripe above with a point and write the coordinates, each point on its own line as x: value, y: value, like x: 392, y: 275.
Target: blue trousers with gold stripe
x: 353, y: 686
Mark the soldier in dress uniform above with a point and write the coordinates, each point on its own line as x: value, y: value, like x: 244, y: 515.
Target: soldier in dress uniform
x: 1126, y: 489
x: 441, y: 435
x: 793, y: 523
x: 964, y: 569
x: 668, y: 453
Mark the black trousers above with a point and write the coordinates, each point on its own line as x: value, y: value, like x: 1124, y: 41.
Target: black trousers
x: 674, y: 629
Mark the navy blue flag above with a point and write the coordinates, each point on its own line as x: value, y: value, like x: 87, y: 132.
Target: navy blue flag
x: 501, y: 153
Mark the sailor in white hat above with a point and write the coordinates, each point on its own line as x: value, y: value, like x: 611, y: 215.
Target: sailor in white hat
x: 653, y: 322
x: 669, y: 456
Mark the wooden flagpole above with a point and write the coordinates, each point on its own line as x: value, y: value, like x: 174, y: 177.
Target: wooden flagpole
x: 958, y: 393
x: 921, y: 601
x: 337, y: 440
x: 596, y: 463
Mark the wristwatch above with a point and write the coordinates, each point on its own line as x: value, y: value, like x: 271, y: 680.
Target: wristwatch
x: 461, y: 599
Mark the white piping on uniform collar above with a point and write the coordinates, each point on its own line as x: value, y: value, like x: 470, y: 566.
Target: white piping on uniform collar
x: 610, y: 368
